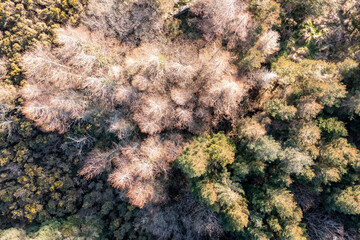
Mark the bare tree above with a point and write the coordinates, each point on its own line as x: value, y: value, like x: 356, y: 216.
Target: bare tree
x: 154, y: 88
x: 224, y: 96
x: 8, y: 94
x: 140, y: 165
x: 123, y: 127
x: 262, y: 78
x: 55, y: 112
x: 63, y: 83
x: 153, y: 113
x: 323, y: 225
x: 3, y: 69
x: 95, y: 163
x: 306, y: 198
x: 228, y: 19
x: 268, y: 43
x: 182, y: 219
x: 79, y: 142
x: 132, y: 21
x: 124, y: 94
x: 216, y: 61
x: 181, y: 96
x: 162, y: 64
x: 140, y: 82
x: 184, y: 119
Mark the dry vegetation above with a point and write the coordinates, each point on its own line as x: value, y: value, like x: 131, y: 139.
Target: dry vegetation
x: 131, y: 22
x: 154, y: 88
x: 61, y: 82
x: 8, y: 95
x: 191, y: 119
x: 182, y: 219
x: 228, y: 19
x: 323, y: 225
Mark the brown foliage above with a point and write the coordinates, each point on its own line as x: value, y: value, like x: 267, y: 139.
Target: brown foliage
x: 140, y: 167
x: 131, y: 21
x: 121, y: 126
x: 224, y: 96
x: 153, y: 114
x: 228, y: 19
x: 261, y: 78
x: 95, y: 163
x: 152, y: 88
x: 182, y: 219
x: 308, y: 108
x: 307, y: 134
x: 62, y: 82
x: 3, y: 69
x: 268, y: 43
x: 251, y: 130
x: 162, y: 64
x: 323, y: 225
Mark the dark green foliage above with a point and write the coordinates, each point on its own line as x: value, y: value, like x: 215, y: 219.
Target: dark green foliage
x: 205, y: 155
x: 224, y: 196
x: 265, y: 149
x: 331, y: 128
x: 279, y: 110
x: 72, y: 227
x: 297, y: 140
x: 252, y: 60
x: 347, y: 201
x: 24, y: 22
x: 40, y: 182
x: 204, y: 161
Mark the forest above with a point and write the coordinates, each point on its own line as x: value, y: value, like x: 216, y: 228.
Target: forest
x: 180, y: 119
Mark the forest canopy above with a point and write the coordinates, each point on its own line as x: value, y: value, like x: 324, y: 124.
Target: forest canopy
x: 180, y: 119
